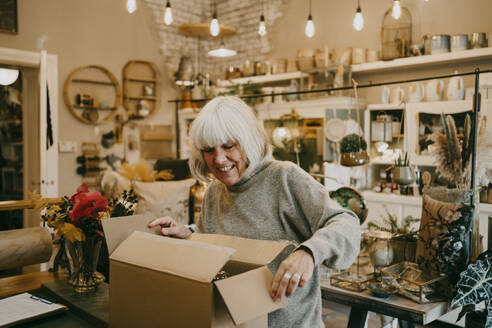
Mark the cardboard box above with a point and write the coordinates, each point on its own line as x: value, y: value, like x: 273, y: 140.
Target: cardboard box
x: 157, y: 281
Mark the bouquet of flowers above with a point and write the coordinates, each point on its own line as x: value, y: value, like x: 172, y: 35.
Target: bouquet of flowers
x: 78, y: 217
x: 77, y: 222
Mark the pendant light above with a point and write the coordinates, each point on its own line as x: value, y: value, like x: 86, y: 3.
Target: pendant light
x: 358, y: 19
x: 168, y: 14
x: 214, y: 24
x: 396, y: 11
x: 309, y: 24
x: 262, y: 27
x: 8, y: 76
x: 131, y: 6
x: 222, y: 51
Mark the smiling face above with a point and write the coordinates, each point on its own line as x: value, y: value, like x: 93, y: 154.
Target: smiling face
x: 226, y: 162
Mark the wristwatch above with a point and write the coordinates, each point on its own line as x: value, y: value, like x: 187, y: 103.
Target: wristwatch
x: 192, y: 227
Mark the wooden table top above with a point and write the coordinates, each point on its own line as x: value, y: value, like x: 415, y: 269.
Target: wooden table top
x: 395, y: 306
x: 25, y: 282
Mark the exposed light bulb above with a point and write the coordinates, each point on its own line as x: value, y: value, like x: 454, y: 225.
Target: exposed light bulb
x: 168, y: 14
x: 309, y: 27
x: 396, y: 13
x: 358, y: 20
x: 214, y: 26
x: 262, y: 27
x: 131, y: 6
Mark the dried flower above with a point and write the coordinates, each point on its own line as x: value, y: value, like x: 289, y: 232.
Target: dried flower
x: 79, y: 216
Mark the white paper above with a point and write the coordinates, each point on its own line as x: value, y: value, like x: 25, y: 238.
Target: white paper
x: 21, y: 307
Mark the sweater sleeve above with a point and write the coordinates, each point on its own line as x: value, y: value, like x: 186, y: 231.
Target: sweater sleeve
x: 334, y: 232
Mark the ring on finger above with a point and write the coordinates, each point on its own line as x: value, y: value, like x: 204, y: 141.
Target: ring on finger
x: 287, y: 276
x: 296, y: 277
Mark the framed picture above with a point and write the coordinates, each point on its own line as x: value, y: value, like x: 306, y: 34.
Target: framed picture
x: 8, y: 16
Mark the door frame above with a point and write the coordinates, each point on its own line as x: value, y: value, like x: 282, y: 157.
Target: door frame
x: 47, y: 66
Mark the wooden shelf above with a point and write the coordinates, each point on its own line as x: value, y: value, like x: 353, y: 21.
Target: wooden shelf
x: 92, y: 81
x: 140, y: 98
x: 423, y: 61
x: 140, y: 79
x: 262, y: 79
x: 96, y: 108
x: 136, y: 73
x: 90, y: 78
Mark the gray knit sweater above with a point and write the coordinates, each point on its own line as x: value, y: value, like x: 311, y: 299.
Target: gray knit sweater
x: 280, y: 201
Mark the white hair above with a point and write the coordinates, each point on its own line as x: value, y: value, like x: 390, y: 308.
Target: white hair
x: 222, y: 120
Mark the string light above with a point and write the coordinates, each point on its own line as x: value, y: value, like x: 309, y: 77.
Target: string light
x: 131, y: 6
x: 396, y: 13
x: 358, y: 19
x: 168, y: 14
x: 262, y: 26
x: 214, y: 24
x: 309, y: 30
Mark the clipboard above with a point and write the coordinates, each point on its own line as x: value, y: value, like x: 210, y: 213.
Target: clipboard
x: 26, y: 307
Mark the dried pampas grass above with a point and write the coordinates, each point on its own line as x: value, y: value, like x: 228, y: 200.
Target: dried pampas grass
x: 453, y: 156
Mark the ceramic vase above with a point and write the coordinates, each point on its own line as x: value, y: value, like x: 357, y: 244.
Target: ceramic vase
x: 83, y: 257
x: 403, y: 175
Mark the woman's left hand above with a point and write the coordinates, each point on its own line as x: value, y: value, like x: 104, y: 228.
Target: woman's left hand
x: 295, y: 271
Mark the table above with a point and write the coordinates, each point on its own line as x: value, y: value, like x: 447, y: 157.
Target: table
x: 88, y: 311
x: 407, y: 311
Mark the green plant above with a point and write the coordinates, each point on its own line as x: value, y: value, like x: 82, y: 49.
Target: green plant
x: 474, y: 287
x: 352, y: 143
x: 402, y: 162
x: 390, y: 224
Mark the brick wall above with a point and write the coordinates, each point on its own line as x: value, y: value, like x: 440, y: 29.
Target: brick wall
x: 244, y: 15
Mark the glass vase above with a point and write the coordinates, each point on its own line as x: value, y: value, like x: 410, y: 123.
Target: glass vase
x: 83, y: 257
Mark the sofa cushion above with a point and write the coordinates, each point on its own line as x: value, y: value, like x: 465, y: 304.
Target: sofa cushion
x: 163, y: 198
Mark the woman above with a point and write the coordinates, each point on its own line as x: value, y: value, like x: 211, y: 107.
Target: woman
x: 254, y: 196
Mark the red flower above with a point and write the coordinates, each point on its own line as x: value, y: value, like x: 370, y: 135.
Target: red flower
x: 81, y: 189
x: 87, y: 204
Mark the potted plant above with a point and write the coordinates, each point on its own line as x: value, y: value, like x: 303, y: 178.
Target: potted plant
x: 404, y: 239
x: 353, y: 148
x: 474, y: 287
x: 402, y: 171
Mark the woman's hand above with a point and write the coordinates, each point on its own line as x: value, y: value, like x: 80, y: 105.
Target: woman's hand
x: 295, y: 271
x: 170, y: 228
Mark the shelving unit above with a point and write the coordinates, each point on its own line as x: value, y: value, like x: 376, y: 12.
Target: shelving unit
x: 141, y: 88
x: 423, y: 61
x: 263, y: 79
x: 98, y: 84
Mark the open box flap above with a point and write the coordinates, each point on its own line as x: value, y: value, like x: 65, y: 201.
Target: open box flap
x: 247, y: 295
x: 119, y: 228
x: 184, y: 258
x: 260, y: 252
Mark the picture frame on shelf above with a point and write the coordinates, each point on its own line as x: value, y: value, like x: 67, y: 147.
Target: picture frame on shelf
x: 8, y: 16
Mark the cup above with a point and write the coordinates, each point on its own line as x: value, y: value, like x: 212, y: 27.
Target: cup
x: 397, y: 95
x: 439, y: 44
x: 372, y: 55
x: 459, y: 42
x: 416, y: 92
x: 434, y: 90
x: 479, y: 40
x: 358, y: 55
x: 456, y: 88
x: 385, y: 95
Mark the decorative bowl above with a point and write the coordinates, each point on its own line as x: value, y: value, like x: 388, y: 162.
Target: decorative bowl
x: 380, y: 291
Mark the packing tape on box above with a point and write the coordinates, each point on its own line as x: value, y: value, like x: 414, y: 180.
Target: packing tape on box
x: 23, y: 247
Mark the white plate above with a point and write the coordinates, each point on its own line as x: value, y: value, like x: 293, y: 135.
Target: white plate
x: 334, y: 129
